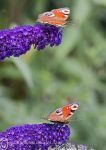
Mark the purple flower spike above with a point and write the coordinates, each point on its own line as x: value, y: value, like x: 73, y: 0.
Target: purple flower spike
x: 34, y: 137
x: 18, y: 40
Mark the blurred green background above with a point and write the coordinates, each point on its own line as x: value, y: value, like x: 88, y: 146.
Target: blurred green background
x: 39, y: 82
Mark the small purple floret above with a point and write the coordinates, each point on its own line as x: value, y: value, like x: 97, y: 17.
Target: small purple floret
x: 18, y: 40
x: 34, y: 137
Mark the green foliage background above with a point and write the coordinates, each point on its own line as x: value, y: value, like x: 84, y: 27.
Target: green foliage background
x: 39, y: 82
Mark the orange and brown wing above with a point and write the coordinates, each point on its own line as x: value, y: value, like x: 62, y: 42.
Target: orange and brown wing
x: 63, y: 114
x: 56, y: 17
x: 56, y: 116
x: 66, y: 111
x: 57, y: 22
x: 58, y: 13
x: 51, y: 20
x: 61, y: 13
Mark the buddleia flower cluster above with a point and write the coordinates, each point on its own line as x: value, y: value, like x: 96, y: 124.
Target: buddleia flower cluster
x: 34, y: 137
x: 18, y: 40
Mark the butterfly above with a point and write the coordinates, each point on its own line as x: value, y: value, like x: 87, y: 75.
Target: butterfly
x: 56, y: 17
x: 63, y: 114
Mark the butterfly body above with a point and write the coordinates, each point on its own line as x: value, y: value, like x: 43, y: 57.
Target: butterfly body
x: 56, y: 17
x: 63, y: 114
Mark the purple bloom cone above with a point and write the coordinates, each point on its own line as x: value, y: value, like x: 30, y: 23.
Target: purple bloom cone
x: 18, y: 40
x: 34, y: 137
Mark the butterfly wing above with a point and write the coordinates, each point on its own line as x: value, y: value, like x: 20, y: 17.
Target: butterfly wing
x: 50, y: 18
x: 58, y: 13
x: 56, y: 116
x: 61, y: 13
x: 69, y: 110
x: 55, y: 17
x: 45, y: 17
x: 63, y: 114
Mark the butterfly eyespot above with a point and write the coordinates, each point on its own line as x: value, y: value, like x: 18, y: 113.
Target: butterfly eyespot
x: 59, y: 111
x: 49, y: 14
x: 74, y: 106
x: 66, y: 11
